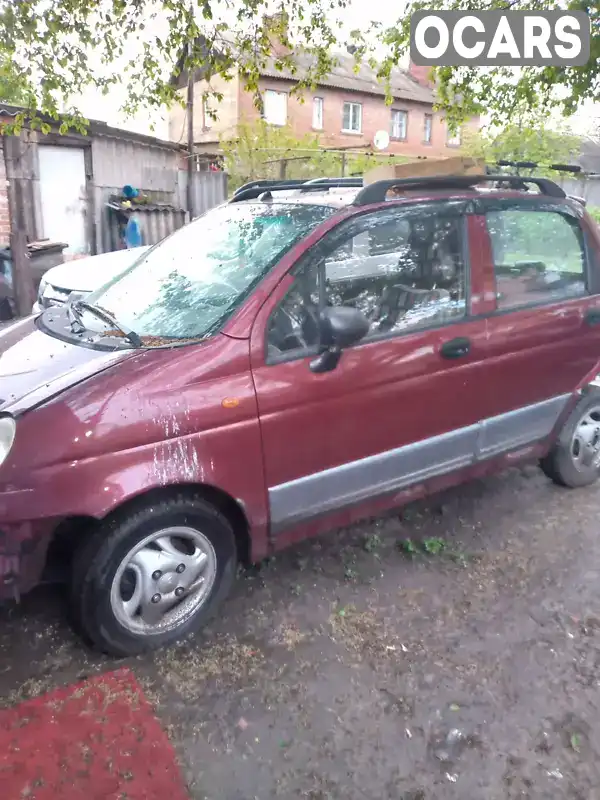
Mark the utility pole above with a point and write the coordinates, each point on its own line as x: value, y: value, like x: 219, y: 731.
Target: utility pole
x: 190, y: 135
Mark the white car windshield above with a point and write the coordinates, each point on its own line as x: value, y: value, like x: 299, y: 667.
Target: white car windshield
x: 186, y: 286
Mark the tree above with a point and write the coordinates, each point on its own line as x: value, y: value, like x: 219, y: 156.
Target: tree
x: 469, y: 91
x: 528, y: 137
x: 57, y: 50
x: 11, y: 87
x: 259, y: 150
x: 62, y: 48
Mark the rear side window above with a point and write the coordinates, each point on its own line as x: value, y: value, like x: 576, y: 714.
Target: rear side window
x: 539, y: 256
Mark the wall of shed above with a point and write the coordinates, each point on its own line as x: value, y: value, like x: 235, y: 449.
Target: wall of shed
x: 157, y: 171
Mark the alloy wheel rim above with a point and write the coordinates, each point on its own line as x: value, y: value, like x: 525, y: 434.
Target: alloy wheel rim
x: 163, y: 581
x: 585, y: 443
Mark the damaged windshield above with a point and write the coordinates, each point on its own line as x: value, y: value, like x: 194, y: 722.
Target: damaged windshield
x: 186, y: 286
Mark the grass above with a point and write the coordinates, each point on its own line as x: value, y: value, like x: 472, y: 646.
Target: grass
x: 432, y: 546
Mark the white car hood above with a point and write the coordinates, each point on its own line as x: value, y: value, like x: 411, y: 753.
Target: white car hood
x: 88, y: 274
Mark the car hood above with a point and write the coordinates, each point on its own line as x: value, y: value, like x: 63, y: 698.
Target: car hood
x: 34, y: 366
x: 88, y: 274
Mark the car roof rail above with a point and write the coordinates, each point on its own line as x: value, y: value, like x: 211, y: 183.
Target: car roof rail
x: 252, y: 192
x: 377, y: 192
x: 354, y: 180
x: 267, y: 183
x: 332, y: 183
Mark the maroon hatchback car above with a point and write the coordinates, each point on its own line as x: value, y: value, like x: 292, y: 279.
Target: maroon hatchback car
x: 303, y: 356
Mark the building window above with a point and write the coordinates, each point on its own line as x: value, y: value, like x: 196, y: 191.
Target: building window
x: 453, y: 137
x: 275, y: 107
x: 352, y: 118
x: 427, y: 128
x: 206, y: 118
x: 399, y: 124
x: 317, y: 122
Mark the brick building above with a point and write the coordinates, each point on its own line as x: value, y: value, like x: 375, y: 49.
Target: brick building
x: 346, y: 109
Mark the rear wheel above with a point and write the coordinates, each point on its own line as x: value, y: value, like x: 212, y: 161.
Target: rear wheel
x: 154, y: 576
x: 574, y: 461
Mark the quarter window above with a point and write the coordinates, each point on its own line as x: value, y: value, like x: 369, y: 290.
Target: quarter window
x: 404, y: 269
x: 539, y: 257
x: 352, y: 118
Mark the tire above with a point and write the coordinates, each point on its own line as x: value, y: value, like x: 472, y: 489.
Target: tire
x: 6, y: 310
x: 569, y: 463
x: 100, y: 599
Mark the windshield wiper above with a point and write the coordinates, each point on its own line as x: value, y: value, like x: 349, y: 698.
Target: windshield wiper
x: 74, y: 318
x: 100, y: 313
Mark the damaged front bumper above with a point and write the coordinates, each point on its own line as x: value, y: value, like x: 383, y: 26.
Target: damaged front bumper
x: 23, y: 550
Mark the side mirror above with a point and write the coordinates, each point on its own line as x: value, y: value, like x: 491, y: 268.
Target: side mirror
x: 339, y: 327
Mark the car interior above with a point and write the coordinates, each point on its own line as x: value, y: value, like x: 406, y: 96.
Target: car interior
x: 409, y: 273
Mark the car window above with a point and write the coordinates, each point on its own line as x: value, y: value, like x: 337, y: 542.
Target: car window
x: 403, y: 268
x: 539, y: 256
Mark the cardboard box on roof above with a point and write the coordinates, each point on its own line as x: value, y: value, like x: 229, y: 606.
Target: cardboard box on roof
x: 455, y: 165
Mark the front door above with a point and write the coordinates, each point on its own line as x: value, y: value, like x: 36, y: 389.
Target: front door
x: 543, y: 336
x: 402, y: 406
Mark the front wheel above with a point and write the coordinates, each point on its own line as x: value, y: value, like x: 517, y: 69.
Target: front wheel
x: 574, y: 461
x: 154, y: 576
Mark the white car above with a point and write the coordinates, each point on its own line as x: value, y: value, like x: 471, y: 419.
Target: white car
x: 82, y: 276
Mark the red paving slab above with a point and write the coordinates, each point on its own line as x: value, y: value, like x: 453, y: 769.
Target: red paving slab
x: 96, y: 739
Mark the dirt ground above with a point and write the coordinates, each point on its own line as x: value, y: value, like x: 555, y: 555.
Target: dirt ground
x: 449, y: 651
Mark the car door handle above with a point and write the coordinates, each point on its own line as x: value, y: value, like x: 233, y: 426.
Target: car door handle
x: 592, y: 316
x: 455, y: 348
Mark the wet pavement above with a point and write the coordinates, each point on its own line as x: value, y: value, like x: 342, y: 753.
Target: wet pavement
x: 448, y: 651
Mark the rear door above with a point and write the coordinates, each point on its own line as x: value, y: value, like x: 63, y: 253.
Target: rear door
x: 403, y: 405
x: 543, y: 332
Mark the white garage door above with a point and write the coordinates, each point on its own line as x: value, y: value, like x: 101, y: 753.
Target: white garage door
x: 63, y: 195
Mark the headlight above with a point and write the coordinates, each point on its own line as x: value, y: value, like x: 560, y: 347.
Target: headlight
x: 8, y: 429
x: 41, y: 290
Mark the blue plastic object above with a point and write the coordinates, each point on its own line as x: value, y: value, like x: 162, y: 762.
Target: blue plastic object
x: 133, y: 233
x: 129, y: 192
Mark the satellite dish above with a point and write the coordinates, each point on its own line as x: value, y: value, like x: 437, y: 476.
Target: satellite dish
x: 381, y: 140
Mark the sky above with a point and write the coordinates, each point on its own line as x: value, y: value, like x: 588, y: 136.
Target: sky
x: 358, y: 15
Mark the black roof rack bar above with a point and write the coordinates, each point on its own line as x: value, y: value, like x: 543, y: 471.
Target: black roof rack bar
x: 377, y: 192
x: 574, y: 168
x: 253, y: 192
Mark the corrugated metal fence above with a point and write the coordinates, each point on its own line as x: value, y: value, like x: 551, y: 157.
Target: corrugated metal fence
x: 588, y: 188
x: 209, y: 189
